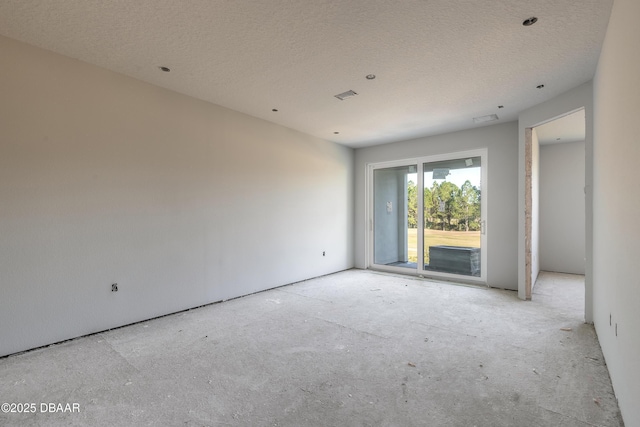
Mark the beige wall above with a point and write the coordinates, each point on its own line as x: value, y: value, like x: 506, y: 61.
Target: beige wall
x: 107, y: 179
x: 616, y: 205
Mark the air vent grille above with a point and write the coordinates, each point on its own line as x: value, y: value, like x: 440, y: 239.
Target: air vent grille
x: 345, y: 95
x: 483, y: 119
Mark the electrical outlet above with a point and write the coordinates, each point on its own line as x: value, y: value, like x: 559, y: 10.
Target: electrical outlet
x: 114, y: 287
x: 322, y: 253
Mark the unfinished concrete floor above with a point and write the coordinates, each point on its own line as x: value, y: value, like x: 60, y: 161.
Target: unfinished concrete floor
x: 355, y: 348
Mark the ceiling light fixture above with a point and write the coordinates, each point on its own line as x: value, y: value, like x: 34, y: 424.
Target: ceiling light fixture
x: 529, y: 21
x: 370, y: 76
x: 484, y: 119
x: 345, y: 95
x: 539, y: 86
x: 165, y: 69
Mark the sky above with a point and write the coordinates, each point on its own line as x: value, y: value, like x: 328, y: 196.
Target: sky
x: 456, y: 176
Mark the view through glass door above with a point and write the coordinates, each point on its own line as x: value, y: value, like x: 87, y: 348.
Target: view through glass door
x: 428, y: 215
x: 452, y: 216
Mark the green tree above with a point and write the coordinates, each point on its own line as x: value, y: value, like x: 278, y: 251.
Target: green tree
x: 460, y: 206
x: 412, y: 205
x: 428, y: 208
x: 449, y: 195
x: 434, y: 205
x: 469, y: 203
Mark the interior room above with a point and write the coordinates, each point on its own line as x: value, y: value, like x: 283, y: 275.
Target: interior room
x: 562, y: 194
x: 319, y: 213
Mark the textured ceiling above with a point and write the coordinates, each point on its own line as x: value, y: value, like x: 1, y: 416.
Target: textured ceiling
x: 438, y: 63
x: 570, y: 128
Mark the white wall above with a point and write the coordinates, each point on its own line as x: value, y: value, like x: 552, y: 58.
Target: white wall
x: 535, y: 207
x: 501, y: 141
x: 568, y: 102
x: 562, y: 208
x: 616, y: 205
x: 106, y: 179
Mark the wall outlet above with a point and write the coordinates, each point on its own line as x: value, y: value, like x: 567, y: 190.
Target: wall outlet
x: 322, y: 253
x: 114, y: 287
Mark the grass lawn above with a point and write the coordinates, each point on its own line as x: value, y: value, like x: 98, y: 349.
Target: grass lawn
x: 470, y: 239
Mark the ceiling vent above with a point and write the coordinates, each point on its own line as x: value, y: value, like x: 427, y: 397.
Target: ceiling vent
x: 344, y: 95
x: 484, y: 119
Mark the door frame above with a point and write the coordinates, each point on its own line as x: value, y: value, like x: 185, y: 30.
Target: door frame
x: 419, y: 161
x: 575, y: 99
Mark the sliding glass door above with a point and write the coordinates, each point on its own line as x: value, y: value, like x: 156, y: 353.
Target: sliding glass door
x: 441, y: 232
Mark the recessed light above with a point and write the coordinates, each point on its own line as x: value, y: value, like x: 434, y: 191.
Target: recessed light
x: 371, y: 76
x: 529, y: 21
x: 539, y: 86
x: 275, y: 110
x: 165, y: 69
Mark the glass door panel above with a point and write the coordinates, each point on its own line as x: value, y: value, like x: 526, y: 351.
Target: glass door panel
x: 395, y: 197
x: 452, y: 216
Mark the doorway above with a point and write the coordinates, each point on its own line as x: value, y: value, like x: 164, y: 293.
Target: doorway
x: 555, y: 189
x: 427, y: 216
x: 579, y: 98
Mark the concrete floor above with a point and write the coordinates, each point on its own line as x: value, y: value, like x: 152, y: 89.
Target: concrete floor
x: 355, y: 348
